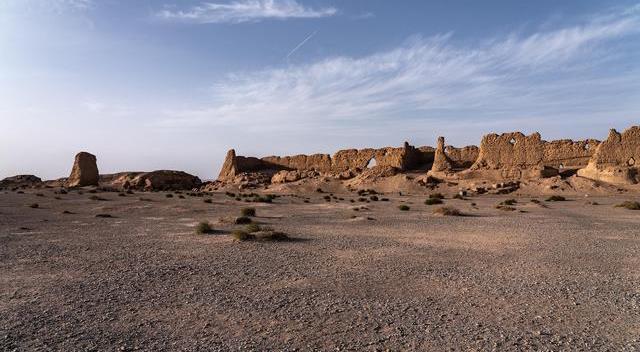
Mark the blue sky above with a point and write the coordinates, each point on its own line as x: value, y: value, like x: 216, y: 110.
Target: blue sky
x: 152, y: 84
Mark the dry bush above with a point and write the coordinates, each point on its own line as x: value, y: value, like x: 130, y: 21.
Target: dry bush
x: 203, y: 227
x: 404, y: 207
x: 248, y: 211
x: 556, y: 199
x: 243, y: 220
x: 433, y: 201
x: 447, y: 211
x: 631, y: 205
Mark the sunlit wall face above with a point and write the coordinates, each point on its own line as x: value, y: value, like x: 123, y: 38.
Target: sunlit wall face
x: 173, y: 84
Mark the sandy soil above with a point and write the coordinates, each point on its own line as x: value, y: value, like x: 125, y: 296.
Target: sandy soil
x: 550, y: 276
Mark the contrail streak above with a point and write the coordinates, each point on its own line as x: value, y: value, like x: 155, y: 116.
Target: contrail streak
x: 301, y: 44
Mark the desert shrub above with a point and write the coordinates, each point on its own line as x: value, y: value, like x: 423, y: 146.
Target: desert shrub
x: 436, y: 196
x: 129, y: 191
x: 104, y: 216
x: 169, y: 195
x: 505, y: 207
x: 263, y: 199
x: 243, y: 220
x: 272, y: 236
x: 230, y: 194
x: 535, y: 201
x: 67, y: 212
x: 361, y: 199
x: 251, y: 228
x: 447, y: 211
x: 374, y: 198
x: 181, y: 196
x: 63, y: 191
x: 556, y: 199
x: 404, y: 207
x: 241, y: 235
x: 203, y: 227
x: 384, y: 199
x: 238, y: 199
x: 327, y: 198
x: 458, y: 196
x: 39, y: 195
x: 509, y: 202
x: 306, y: 201
x: 433, y: 201
x: 34, y: 205
x: 57, y: 198
x: 145, y: 199
x: 207, y: 200
x: 248, y: 211
x: 319, y: 190
x: 121, y: 195
x: 20, y: 192
x: 629, y: 205
x: 94, y: 197
x: 352, y: 200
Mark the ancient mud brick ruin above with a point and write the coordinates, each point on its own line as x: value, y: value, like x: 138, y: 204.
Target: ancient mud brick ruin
x: 616, y: 160
x: 508, y: 156
x: 84, y: 171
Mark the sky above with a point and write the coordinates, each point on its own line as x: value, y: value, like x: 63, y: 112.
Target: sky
x: 169, y: 84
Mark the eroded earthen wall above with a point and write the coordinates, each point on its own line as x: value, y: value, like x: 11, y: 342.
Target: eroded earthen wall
x: 617, y: 159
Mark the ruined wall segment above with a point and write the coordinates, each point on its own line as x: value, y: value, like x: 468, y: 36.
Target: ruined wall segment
x: 84, y: 171
x: 617, y: 159
x: 568, y: 154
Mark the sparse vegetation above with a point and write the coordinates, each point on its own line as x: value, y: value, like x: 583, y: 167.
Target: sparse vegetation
x: 241, y: 235
x: 169, y: 195
x: 509, y: 202
x: 433, y: 201
x: 556, y: 198
x: 458, y: 196
x: 203, y: 227
x: 631, y: 205
x: 243, y: 220
x: 34, y: 205
x: 436, y: 196
x: 374, y: 198
x: 104, y: 216
x: 447, y: 211
x: 145, y: 199
x: 404, y: 207
x: 251, y: 228
x: 67, y: 212
x: 248, y: 211
x: 94, y: 197
x: 39, y: 195
x: 505, y: 207
x: 121, y: 195
x: 207, y: 200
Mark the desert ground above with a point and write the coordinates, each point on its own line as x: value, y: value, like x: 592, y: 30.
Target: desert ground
x: 547, y: 276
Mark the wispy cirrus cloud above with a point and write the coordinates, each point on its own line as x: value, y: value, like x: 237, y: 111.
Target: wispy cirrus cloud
x: 240, y: 11
x: 546, y: 75
x: 56, y: 6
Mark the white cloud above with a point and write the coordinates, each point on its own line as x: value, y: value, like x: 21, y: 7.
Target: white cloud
x: 245, y: 11
x: 56, y: 6
x: 541, y: 75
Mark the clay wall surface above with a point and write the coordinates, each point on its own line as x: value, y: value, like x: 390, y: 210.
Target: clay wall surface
x: 403, y: 158
x: 617, y: 159
x: 566, y: 153
x: 462, y: 158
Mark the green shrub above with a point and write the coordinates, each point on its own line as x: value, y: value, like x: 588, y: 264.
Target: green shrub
x: 556, y: 199
x: 404, y: 207
x: 203, y: 227
x: 248, y: 211
x: 433, y: 201
x: 629, y: 205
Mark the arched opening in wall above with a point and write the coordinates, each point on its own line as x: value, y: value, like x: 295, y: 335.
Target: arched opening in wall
x: 587, y: 146
x: 512, y: 141
x: 372, y: 163
x: 561, y: 166
x: 631, y: 162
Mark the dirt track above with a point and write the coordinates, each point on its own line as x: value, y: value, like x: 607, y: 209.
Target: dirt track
x: 564, y: 277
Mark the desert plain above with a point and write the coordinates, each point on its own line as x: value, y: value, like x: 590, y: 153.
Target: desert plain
x: 355, y: 273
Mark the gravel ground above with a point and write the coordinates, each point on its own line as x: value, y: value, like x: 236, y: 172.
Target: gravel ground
x: 550, y: 277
